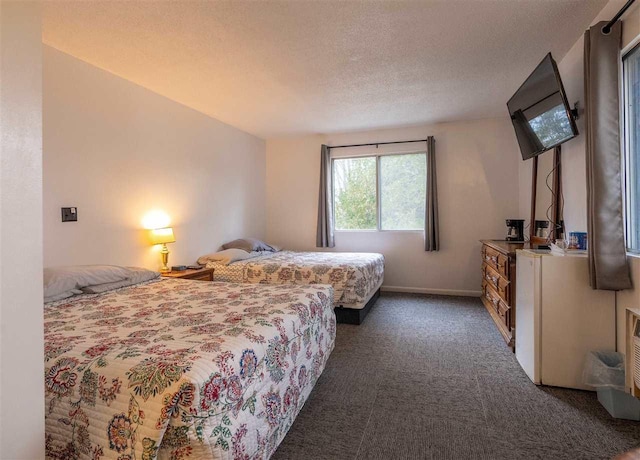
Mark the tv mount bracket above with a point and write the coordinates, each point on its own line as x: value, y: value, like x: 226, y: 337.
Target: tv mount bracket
x: 575, y: 111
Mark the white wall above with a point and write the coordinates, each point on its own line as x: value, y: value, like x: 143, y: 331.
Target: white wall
x: 21, y: 323
x: 477, y: 165
x: 631, y: 297
x: 571, y: 69
x: 117, y: 151
x: 573, y: 153
x: 627, y: 299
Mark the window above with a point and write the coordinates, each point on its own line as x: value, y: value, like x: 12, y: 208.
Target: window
x: 354, y: 192
x: 631, y: 71
x: 384, y: 192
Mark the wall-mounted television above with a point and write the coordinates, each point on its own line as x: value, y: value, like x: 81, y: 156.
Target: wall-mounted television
x: 540, y: 113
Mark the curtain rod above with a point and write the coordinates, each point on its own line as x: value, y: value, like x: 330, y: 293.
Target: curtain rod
x: 607, y: 28
x: 375, y: 143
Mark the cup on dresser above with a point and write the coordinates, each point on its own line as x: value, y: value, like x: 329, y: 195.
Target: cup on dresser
x: 577, y: 240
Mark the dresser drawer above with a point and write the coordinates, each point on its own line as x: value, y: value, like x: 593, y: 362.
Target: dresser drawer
x: 500, y: 284
x: 499, y: 306
x: 489, y: 295
x: 496, y: 260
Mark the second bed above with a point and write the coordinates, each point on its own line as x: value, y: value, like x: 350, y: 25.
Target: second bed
x: 356, y: 277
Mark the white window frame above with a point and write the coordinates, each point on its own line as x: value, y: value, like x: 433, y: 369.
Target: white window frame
x: 634, y: 46
x: 377, y: 156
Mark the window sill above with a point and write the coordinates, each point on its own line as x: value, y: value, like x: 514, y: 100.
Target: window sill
x: 380, y: 231
x: 635, y: 255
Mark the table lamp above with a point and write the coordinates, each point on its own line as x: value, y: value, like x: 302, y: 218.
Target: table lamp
x: 162, y: 236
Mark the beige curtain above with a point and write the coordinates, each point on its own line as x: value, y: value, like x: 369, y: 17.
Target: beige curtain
x: 324, y: 232
x: 431, y: 229
x: 608, y: 268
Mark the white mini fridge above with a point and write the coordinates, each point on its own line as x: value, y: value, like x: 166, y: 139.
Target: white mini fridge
x: 559, y: 318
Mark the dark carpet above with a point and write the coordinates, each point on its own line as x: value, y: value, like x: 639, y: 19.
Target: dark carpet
x: 429, y: 377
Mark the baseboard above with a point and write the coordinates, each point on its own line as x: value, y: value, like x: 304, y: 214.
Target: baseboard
x: 416, y: 290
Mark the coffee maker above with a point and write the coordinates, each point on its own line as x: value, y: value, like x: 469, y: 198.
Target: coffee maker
x: 541, y: 228
x: 515, y: 230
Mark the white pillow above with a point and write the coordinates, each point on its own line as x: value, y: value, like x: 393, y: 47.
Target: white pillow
x: 60, y: 280
x: 226, y: 257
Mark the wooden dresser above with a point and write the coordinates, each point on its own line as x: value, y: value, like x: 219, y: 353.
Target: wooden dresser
x: 499, y: 285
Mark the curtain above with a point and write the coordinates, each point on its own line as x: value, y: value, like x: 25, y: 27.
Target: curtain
x: 431, y: 232
x: 608, y: 268
x: 324, y: 233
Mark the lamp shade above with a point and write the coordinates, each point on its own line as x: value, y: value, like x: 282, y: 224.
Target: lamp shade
x: 161, y: 235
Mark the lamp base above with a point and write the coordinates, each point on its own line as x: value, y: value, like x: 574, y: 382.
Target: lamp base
x: 164, y: 253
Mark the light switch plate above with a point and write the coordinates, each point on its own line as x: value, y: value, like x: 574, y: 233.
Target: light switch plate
x: 69, y: 214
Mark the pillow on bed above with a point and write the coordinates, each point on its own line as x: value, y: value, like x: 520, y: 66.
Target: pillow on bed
x: 138, y: 275
x: 99, y: 288
x: 249, y: 245
x: 64, y: 295
x: 226, y: 257
x: 61, y: 280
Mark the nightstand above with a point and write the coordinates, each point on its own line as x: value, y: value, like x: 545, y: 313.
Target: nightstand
x: 204, y: 274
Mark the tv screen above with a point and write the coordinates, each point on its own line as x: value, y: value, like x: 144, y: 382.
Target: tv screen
x: 539, y: 111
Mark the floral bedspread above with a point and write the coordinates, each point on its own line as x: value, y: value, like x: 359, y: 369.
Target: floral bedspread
x: 182, y: 369
x: 354, y: 276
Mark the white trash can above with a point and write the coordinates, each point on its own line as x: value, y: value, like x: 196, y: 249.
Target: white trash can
x: 604, y: 370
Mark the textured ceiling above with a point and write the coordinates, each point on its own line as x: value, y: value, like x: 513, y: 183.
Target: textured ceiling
x: 277, y: 68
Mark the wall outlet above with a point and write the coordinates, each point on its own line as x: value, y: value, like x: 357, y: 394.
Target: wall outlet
x: 69, y: 214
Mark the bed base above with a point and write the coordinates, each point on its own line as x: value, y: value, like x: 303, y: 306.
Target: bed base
x: 355, y: 315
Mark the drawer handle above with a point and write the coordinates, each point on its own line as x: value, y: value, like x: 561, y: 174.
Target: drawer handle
x: 493, y: 259
x: 493, y: 279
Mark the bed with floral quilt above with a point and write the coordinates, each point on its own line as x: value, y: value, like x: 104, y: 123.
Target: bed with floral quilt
x: 356, y: 277
x: 178, y: 369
